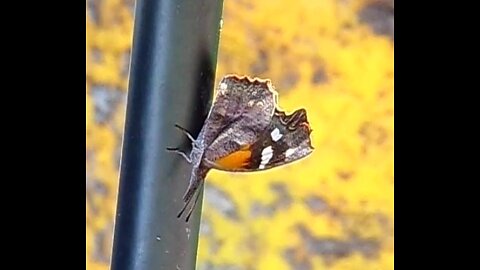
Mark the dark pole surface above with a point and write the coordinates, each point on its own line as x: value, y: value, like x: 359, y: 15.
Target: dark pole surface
x: 172, y: 75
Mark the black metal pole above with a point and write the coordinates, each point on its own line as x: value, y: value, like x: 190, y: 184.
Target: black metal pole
x: 172, y: 75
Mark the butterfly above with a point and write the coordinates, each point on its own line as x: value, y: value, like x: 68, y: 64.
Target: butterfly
x: 245, y: 131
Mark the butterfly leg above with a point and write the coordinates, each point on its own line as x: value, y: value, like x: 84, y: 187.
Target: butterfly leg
x: 184, y: 131
x: 180, y: 152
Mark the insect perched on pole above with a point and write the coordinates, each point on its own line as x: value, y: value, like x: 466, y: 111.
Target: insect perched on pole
x: 245, y: 131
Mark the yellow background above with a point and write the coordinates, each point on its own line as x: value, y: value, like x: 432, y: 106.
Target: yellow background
x: 332, y: 210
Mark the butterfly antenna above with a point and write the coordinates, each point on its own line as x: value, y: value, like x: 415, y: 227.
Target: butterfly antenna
x: 188, y: 198
x: 194, y: 204
x: 183, y: 210
x: 185, y: 131
x: 192, y: 187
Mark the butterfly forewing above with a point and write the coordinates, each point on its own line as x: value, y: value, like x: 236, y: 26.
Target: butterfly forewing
x: 244, y: 107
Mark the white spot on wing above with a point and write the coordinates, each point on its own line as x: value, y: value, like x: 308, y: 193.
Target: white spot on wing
x: 289, y: 152
x: 276, y: 135
x: 223, y: 86
x: 267, y: 151
x: 267, y: 154
x: 266, y: 158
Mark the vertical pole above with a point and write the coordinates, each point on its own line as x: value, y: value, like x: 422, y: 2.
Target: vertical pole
x: 172, y: 75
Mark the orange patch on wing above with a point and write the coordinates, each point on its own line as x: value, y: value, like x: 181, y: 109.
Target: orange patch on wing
x: 235, y: 160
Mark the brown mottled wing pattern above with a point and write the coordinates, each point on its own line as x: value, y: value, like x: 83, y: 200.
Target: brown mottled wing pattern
x: 290, y: 143
x: 242, y: 110
x: 244, y: 131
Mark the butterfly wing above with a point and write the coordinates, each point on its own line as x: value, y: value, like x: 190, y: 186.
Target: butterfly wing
x: 286, y: 139
x: 239, y: 98
x: 242, y: 110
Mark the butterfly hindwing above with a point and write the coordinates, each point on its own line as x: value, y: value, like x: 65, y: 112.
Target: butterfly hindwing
x: 285, y: 140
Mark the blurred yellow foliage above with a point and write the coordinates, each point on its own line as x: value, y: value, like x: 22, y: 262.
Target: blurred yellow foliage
x: 332, y: 210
